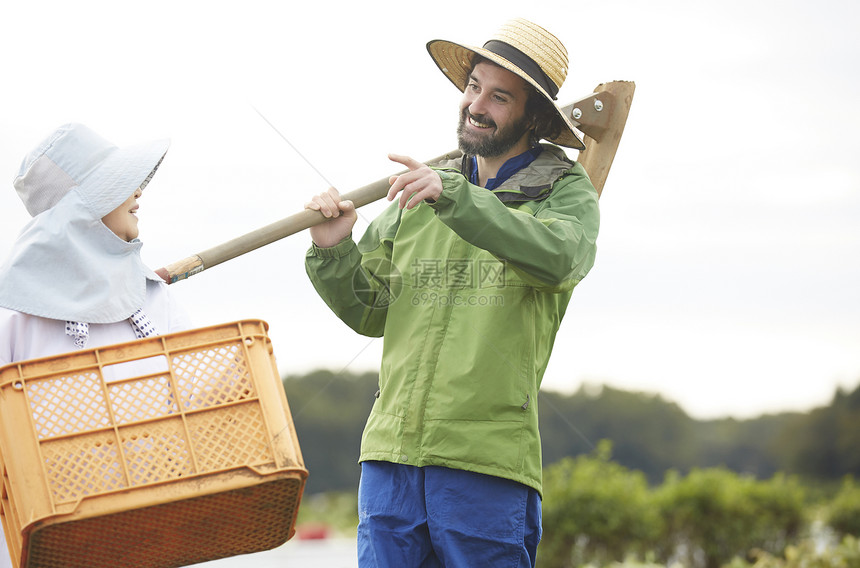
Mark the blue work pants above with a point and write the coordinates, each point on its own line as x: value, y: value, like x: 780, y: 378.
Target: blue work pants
x: 427, y: 517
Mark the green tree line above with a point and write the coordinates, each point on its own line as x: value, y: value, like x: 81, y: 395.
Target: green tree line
x: 647, y: 433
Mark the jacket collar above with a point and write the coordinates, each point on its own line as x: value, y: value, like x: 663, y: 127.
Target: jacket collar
x: 534, y: 182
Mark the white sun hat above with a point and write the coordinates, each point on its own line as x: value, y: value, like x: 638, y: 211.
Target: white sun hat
x: 74, y: 156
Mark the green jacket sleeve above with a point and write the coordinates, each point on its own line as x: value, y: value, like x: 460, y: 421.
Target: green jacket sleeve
x: 551, y: 243
x: 354, y: 280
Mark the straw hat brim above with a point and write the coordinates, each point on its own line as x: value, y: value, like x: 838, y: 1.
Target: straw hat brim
x: 455, y: 61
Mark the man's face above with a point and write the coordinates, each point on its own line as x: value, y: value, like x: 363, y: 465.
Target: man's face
x: 492, y: 113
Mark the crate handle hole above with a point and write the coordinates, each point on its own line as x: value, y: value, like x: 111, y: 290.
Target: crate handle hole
x: 157, y: 364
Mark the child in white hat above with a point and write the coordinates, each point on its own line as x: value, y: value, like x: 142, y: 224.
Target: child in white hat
x: 74, y: 277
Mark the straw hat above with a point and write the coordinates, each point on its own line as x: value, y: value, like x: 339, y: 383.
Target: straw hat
x: 523, y: 48
x: 74, y: 156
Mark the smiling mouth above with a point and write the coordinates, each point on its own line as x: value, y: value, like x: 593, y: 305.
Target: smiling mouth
x: 477, y: 124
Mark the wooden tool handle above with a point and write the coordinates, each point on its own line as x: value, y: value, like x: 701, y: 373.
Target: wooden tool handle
x: 304, y: 219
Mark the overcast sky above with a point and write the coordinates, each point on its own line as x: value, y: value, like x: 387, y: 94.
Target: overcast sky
x: 727, y: 277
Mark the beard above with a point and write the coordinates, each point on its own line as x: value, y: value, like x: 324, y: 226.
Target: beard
x: 492, y: 144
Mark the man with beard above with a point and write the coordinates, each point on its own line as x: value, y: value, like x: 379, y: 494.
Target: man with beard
x: 467, y: 277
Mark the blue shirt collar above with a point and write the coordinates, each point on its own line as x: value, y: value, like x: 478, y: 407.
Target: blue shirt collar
x: 509, y: 168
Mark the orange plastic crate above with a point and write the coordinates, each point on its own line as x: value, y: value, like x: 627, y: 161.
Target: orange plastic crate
x: 162, y: 452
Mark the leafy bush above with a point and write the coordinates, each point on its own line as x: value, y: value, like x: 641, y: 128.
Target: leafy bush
x: 714, y: 515
x: 844, y: 513
x: 595, y: 510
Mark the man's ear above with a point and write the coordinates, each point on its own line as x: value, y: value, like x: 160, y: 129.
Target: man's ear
x: 532, y: 126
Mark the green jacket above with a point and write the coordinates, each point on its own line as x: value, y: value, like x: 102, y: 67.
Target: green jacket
x: 469, y: 292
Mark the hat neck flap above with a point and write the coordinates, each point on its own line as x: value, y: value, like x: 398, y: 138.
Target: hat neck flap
x: 67, y: 265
